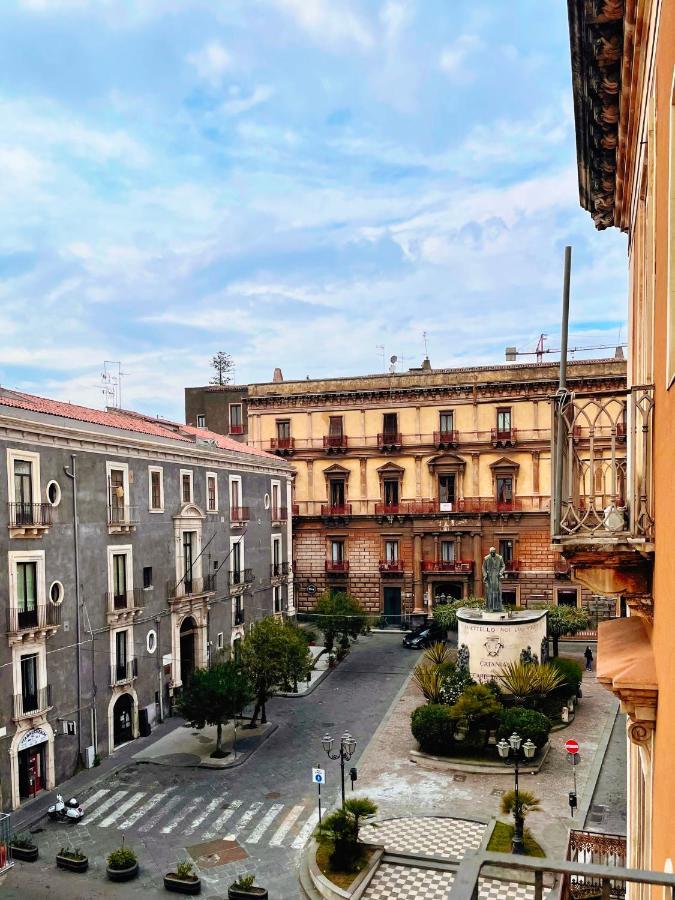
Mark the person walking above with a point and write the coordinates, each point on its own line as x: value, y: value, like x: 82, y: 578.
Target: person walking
x: 588, y: 653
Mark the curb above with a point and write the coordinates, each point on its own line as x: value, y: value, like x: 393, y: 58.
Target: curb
x: 239, y: 761
x: 313, y: 686
x: 451, y: 764
x: 598, y: 760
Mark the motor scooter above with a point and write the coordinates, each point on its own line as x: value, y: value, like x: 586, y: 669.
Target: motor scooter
x: 70, y: 811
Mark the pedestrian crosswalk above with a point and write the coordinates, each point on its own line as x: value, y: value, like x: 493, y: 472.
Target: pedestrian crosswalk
x: 168, y: 812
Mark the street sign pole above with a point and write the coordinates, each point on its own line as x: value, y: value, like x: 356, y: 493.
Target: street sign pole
x: 319, y: 778
x: 572, y: 748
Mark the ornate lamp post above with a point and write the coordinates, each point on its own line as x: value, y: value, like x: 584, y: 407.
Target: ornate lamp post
x: 344, y: 754
x: 527, y: 750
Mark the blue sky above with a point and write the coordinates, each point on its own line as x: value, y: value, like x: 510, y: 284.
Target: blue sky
x: 293, y: 181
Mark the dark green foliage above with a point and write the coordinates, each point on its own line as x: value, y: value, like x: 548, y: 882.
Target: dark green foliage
x: 477, y: 710
x: 454, y: 682
x: 23, y: 840
x: 213, y: 696
x: 122, y: 858
x: 562, y: 620
x: 340, y: 831
x: 528, y: 723
x: 339, y: 615
x: 572, y: 672
x: 445, y: 614
x: 433, y: 728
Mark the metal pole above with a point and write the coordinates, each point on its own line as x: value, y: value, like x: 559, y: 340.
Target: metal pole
x: 73, y: 477
x: 342, y: 773
x: 517, y: 845
x: 562, y: 391
x: 319, y: 786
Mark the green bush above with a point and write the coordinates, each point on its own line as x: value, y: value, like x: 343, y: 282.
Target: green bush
x: 184, y: 870
x: 445, y: 614
x: 478, y: 711
x: 244, y: 882
x: 454, y: 682
x: 433, y: 728
x: 528, y: 723
x: 23, y: 840
x: 572, y: 672
x: 72, y: 853
x: 122, y: 858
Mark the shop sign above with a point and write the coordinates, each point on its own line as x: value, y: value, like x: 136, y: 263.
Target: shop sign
x: 33, y: 737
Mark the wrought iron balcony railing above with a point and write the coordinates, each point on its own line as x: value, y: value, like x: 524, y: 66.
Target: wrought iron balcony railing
x: 121, y: 672
x: 189, y: 586
x: 446, y: 438
x: 239, y: 515
x: 122, y: 516
x: 119, y: 601
x: 606, y: 474
x: 392, y: 566
x: 336, y: 509
x: 236, y: 429
x: 282, y: 444
x: 30, y: 515
x: 458, y: 566
x: 240, y: 576
x: 44, y: 615
x: 388, y: 439
x: 335, y: 441
x: 338, y: 567
x: 277, y: 569
x: 503, y: 437
x: 32, y: 702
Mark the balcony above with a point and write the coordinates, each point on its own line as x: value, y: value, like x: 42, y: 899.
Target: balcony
x: 392, y: 566
x: 335, y: 443
x: 124, y: 606
x: 122, y: 519
x: 336, y: 510
x: 279, y: 514
x: 189, y: 587
x: 279, y: 569
x: 503, y: 437
x: 236, y: 429
x: 123, y: 672
x: 445, y: 439
x: 23, y: 624
x: 240, y: 577
x: 389, y: 440
x: 337, y: 567
x: 603, y: 516
x: 283, y: 446
x: 239, y: 515
x: 32, y: 703
x: 512, y: 568
x: 29, y: 519
x: 454, y: 566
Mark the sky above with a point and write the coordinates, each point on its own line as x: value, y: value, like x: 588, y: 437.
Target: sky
x: 309, y: 184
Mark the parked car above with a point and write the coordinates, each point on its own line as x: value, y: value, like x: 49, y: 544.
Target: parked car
x: 424, y: 636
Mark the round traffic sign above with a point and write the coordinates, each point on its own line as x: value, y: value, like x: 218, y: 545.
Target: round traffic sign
x: 571, y: 746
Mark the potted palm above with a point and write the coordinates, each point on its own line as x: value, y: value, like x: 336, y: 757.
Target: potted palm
x: 183, y: 880
x: 23, y: 847
x: 122, y: 864
x: 244, y: 888
x: 72, y: 859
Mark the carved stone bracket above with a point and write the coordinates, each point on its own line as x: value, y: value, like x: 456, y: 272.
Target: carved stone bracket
x: 641, y: 605
x: 640, y: 733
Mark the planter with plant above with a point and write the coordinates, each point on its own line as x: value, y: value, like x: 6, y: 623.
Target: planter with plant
x: 72, y: 859
x: 122, y: 864
x: 23, y: 847
x: 244, y: 887
x: 339, y: 834
x: 183, y: 880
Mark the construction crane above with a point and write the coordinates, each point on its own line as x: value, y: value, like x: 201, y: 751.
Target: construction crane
x: 512, y: 353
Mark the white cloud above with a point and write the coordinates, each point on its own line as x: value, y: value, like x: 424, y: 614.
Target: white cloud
x: 395, y: 15
x: 211, y: 62
x: 260, y: 94
x: 328, y: 22
x: 454, y: 58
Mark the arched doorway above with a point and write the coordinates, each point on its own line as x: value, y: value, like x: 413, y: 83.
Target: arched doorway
x: 188, y: 649
x: 123, y: 719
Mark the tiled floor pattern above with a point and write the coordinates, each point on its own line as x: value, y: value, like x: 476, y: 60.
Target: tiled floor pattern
x: 392, y: 882
x: 428, y: 835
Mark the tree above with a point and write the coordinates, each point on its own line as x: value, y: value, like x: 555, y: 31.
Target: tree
x: 445, y: 614
x: 223, y: 364
x: 563, y: 620
x: 264, y: 659
x: 213, y: 696
x: 298, y: 657
x: 339, y: 614
x: 340, y: 831
x: 527, y: 803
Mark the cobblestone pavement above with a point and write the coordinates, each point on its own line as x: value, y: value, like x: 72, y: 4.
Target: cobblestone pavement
x: 401, y: 787
x: 255, y: 818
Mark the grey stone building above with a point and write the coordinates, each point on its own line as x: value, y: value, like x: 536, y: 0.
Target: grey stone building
x: 133, y: 550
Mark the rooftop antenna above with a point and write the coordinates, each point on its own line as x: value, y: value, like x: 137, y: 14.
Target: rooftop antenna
x: 380, y: 347
x: 111, y: 383
x: 426, y: 348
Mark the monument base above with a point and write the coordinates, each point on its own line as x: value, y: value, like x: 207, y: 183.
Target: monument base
x: 491, y: 639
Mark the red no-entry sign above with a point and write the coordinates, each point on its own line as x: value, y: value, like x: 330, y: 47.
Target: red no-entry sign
x: 571, y: 746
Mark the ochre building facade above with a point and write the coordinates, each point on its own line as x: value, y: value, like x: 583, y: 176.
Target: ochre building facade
x: 404, y: 481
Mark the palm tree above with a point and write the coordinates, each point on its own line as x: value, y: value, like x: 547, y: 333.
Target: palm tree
x: 429, y: 680
x: 526, y: 801
x: 340, y: 832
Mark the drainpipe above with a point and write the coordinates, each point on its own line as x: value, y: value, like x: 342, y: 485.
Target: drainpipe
x: 562, y: 395
x: 71, y: 474
x: 160, y: 671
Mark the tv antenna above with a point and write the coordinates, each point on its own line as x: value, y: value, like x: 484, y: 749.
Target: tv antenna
x: 111, y: 383
x: 512, y: 353
x: 426, y: 348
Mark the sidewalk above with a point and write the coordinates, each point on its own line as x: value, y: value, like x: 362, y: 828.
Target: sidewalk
x: 185, y: 747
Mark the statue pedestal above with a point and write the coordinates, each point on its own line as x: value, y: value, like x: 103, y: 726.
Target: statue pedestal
x: 496, y: 638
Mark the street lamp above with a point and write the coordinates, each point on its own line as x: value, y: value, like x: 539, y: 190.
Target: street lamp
x: 528, y: 749
x: 344, y: 754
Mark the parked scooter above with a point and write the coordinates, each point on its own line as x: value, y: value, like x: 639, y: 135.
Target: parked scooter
x: 70, y: 811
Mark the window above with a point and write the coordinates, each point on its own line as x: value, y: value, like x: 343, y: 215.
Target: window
x: 446, y: 490
x: 189, y: 544
x: 447, y: 420
x: 120, y: 578
x: 337, y: 491
x: 276, y: 552
x: 211, y: 492
x: 120, y: 655
x: 219, y: 640
x: 447, y: 551
x: 337, y: 551
x: 504, y: 489
x: 506, y: 549
x: 236, y: 422
x: 56, y: 593
x: 236, y: 650
x: 237, y: 512
x: 151, y: 641
x: 53, y: 493
x: 391, y: 551
x: 567, y: 597
x: 277, y: 599
x: 335, y: 428
x: 156, y: 491
x: 283, y: 429
x: 26, y: 593
x: 390, y: 425
x: 201, y: 421
x: 276, y: 500
x: 391, y: 492
x: 147, y: 577
x: 23, y: 488
x: 504, y: 420
x: 186, y: 485
x: 236, y: 559
x: 116, y: 493
x: 29, y: 683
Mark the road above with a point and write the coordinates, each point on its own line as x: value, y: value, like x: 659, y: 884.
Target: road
x: 268, y: 805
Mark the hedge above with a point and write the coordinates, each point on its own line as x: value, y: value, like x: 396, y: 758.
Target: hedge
x: 528, y: 723
x: 433, y: 728
x: 572, y: 671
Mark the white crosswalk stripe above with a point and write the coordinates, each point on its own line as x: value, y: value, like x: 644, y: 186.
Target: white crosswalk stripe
x: 286, y: 825
x: 204, y: 814
x: 105, y: 806
x: 306, y: 831
x: 90, y: 801
x: 264, y: 824
x: 179, y: 818
x: 121, y: 809
x: 246, y: 818
x: 222, y: 820
x: 153, y: 820
x: 138, y: 814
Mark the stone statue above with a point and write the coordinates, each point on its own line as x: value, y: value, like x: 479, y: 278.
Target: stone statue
x: 463, y: 658
x: 493, y: 572
x: 528, y: 657
x: 544, y: 650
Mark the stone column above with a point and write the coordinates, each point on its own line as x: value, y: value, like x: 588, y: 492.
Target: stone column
x: 418, y: 587
x: 310, y: 486
x: 475, y: 474
x: 477, y: 564
x: 535, y: 471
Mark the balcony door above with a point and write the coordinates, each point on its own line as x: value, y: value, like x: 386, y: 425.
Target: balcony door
x: 26, y: 594
x: 337, y: 551
x: 116, y: 495
x: 504, y: 421
x: 391, y: 551
x: 335, y: 427
x: 121, y: 658
x: 236, y: 563
x: 390, y: 426
x: 23, y: 491
x: 235, y: 497
x: 446, y: 491
x: 337, y: 492
x: 189, y: 543
x: 29, y: 683
x: 504, y: 489
x: 283, y: 432
x: 120, y: 580
x: 391, y: 492
x: 447, y: 551
x: 447, y: 423
x: 506, y: 550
